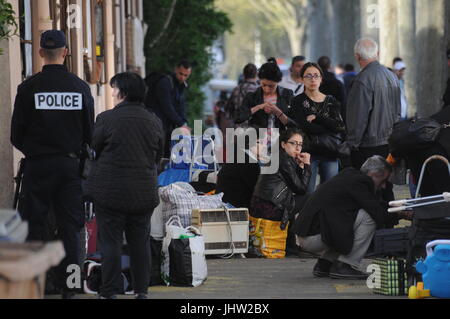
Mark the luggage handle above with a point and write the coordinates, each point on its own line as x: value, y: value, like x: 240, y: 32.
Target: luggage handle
x: 434, y: 157
x: 433, y: 243
x: 174, y: 220
x: 194, y: 230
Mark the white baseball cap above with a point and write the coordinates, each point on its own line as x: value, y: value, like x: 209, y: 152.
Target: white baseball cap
x: 399, y: 65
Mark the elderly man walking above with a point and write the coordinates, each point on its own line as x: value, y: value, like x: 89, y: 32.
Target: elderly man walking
x: 373, y: 105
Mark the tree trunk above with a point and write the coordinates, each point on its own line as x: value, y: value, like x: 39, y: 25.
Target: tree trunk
x: 344, y: 31
x: 388, y: 31
x: 430, y: 50
x: 406, y: 24
x: 295, y: 40
x: 370, y: 23
x: 319, y: 31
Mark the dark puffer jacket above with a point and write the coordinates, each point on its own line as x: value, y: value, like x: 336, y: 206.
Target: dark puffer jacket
x: 128, y: 142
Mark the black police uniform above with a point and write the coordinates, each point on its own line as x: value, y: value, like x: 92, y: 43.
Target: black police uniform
x: 53, y: 117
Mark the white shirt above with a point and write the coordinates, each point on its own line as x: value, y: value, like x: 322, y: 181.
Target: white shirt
x: 289, y: 83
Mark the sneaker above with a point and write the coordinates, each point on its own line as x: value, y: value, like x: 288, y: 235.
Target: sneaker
x: 141, y: 296
x: 322, y: 268
x: 340, y: 270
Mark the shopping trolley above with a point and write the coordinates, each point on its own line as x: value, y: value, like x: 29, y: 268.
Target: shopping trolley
x: 431, y: 219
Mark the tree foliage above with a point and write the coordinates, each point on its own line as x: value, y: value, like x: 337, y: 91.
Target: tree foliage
x: 8, y: 24
x: 281, y: 26
x: 184, y: 29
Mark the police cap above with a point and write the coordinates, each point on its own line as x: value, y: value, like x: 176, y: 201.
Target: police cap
x: 53, y: 39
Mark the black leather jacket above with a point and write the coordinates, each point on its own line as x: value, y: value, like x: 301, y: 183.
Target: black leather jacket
x: 280, y: 188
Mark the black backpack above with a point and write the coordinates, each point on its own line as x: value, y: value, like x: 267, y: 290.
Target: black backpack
x: 151, y: 81
x: 413, y: 135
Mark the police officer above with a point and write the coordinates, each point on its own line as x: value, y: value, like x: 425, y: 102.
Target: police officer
x: 53, y: 117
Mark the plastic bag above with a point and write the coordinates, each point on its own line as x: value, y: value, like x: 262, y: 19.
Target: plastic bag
x: 183, y: 255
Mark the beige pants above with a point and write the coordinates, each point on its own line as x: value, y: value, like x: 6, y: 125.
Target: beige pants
x: 364, y: 229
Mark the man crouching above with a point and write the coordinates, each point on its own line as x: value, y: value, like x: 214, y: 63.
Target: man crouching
x: 339, y: 220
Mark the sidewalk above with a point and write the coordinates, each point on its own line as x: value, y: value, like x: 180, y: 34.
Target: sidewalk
x: 263, y: 279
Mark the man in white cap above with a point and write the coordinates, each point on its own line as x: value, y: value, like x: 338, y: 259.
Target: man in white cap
x: 399, y: 70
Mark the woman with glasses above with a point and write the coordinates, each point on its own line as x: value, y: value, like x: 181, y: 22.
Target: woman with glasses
x: 268, y: 105
x: 316, y: 113
x: 279, y: 196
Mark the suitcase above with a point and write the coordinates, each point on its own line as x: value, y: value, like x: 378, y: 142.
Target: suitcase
x: 392, y: 279
x: 391, y: 242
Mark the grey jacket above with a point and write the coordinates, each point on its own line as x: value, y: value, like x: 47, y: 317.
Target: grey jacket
x: 373, y: 106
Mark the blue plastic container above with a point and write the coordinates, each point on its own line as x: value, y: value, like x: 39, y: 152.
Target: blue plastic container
x: 435, y: 269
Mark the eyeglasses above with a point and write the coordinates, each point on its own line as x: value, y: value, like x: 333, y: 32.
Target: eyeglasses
x: 310, y: 77
x: 295, y: 144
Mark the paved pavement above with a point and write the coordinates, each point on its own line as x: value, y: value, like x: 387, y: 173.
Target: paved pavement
x: 259, y: 278
x: 288, y: 278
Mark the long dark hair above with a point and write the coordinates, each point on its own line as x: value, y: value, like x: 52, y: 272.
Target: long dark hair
x: 270, y: 71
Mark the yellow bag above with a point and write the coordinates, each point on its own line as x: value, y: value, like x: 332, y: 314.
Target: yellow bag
x: 268, y: 238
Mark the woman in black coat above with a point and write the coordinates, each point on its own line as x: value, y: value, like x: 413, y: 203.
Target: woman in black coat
x: 317, y: 114
x: 268, y: 105
x: 128, y: 141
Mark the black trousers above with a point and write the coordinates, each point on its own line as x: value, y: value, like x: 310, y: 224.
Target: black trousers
x: 111, y: 227
x: 53, y: 183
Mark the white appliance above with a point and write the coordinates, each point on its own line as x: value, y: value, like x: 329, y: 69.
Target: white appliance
x: 225, y: 231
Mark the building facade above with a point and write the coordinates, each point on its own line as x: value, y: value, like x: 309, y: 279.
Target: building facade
x: 105, y: 37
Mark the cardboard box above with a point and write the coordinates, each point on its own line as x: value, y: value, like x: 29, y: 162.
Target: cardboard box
x: 23, y: 268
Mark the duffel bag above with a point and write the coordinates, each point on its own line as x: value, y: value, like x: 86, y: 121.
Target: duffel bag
x: 413, y: 135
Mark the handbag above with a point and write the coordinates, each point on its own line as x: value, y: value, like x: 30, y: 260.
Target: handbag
x: 329, y: 144
x: 413, y: 135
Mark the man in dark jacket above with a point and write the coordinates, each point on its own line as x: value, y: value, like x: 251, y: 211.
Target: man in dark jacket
x: 128, y: 142
x: 168, y: 101
x: 340, y: 219
x: 331, y: 85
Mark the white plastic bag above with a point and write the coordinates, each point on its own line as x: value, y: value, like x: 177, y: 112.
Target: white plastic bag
x: 183, y: 255
x: 157, y: 224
